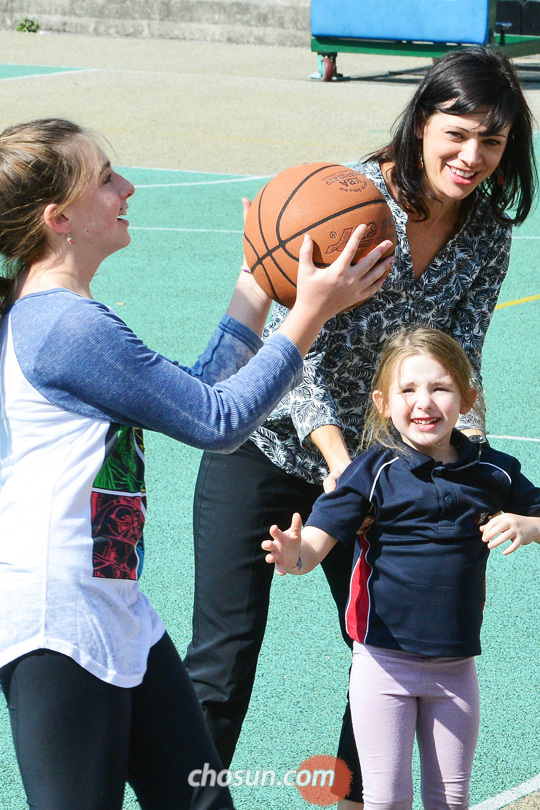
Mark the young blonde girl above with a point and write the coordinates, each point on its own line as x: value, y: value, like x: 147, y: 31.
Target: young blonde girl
x: 439, y: 502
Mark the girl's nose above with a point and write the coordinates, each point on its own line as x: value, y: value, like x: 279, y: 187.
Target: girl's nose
x: 125, y: 187
x: 423, y: 400
x: 130, y: 189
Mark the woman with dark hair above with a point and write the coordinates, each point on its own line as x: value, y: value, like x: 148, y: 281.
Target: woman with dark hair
x: 477, y: 82
x: 461, y: 156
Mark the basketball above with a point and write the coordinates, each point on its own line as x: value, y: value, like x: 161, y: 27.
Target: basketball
x: 325, y: 200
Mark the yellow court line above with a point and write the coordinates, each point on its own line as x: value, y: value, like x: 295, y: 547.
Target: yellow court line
x: 518, y: 301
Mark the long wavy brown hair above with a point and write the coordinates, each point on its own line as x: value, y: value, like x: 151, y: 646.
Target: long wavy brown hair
x: 43, y: 161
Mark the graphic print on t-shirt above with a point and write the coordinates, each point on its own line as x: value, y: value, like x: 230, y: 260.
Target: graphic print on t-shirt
x: 119, y: 506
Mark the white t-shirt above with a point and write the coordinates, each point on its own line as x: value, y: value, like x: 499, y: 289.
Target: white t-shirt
x: 76, y: 389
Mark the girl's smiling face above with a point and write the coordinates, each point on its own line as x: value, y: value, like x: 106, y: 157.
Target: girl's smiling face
x: 96, y: 218
x: 424, y: 405
x: 458, y: 155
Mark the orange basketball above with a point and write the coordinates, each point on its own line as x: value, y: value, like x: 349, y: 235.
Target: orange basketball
x: 326, y: 200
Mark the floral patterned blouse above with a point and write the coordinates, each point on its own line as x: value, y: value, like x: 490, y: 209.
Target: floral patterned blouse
x: 456, y: 293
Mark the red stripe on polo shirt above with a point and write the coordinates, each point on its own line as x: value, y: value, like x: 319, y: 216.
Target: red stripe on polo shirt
x: 357, y: 613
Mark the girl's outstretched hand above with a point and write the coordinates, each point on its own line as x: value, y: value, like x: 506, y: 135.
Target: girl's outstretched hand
x: 519, y: 530
x: 332, y: 289
x: 284, y: 548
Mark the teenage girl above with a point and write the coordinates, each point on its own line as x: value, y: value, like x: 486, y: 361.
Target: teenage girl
x: 438, y: 503
x: 96, y: 691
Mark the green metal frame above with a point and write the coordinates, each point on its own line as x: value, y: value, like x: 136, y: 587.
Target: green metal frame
x: 511, y: 44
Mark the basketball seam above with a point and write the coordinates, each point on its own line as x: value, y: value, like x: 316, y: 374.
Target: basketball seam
x: 282, y: 245
x: 269, y: 250
x: 261, y: 233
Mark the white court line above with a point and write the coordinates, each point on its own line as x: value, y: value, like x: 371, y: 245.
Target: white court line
x: 196, y: 171
x: 513, y: 438
x: 204, y: 182
x: 211, y: 230
x: 503, y: 799
x: 182, y: 171
x: 183, y: 230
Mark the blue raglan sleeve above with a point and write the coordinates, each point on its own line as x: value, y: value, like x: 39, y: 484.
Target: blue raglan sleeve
x: 231, y: 346
x: 81, y: 356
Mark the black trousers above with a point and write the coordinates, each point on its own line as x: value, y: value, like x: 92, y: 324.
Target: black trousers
x: 78, y: 739
x: 237, y: 498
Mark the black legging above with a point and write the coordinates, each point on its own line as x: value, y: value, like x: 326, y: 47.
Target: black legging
x: 237, y: 498
x: 79, y: 739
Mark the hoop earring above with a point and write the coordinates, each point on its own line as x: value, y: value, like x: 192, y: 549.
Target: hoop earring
x: 69, y: 240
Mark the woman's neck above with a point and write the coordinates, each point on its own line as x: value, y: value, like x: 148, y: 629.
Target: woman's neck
x: 445, y: 216
x: 48, y: 275
x: 426, y: 237
x: 440, y: 213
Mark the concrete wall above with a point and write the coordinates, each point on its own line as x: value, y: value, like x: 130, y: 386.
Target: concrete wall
x: 271, y: 22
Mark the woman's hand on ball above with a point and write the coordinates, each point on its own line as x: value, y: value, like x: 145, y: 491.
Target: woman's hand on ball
x: 249, y: 303
x: 342, y: 284
x: 246, y: 205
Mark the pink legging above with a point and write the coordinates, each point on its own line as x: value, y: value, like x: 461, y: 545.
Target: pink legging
x: 395, y: 695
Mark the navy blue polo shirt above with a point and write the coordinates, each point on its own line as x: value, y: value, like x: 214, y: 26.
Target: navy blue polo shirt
x: 418, y: 580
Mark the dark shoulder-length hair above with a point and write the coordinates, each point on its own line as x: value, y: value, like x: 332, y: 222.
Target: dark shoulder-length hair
x: 471, y: 80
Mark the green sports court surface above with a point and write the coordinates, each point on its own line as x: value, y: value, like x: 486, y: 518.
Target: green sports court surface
x: 20, y: 71
x: 171, y: 286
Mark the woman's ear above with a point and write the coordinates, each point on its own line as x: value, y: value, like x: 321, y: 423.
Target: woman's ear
x: 419, y: 127
x: 55, y: 219
x: 468, y: 403
x: 378, y: 399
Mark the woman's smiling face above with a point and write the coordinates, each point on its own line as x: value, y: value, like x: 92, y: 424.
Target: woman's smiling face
x: 458, y: 155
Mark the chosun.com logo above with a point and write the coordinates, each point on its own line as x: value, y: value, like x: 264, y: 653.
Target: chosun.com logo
x: 322, y: 780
